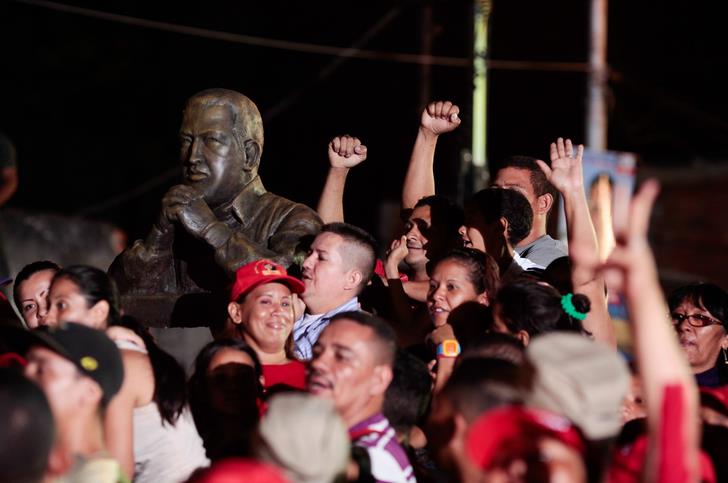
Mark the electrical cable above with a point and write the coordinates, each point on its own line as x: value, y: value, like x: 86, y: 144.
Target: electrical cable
x: 351, y: 52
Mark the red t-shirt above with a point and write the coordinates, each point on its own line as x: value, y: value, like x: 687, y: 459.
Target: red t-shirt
x: 628, y: 462
x: 292, y: 374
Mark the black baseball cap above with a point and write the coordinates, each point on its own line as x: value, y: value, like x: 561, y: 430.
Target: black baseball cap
x: 91, y: 350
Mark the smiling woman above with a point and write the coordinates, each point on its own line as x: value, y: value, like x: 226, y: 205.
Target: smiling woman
x: 261, y: 306
x: 465, y: 275
x: 699, y: 313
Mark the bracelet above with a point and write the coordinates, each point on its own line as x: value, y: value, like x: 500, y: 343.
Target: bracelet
x: 448, y: 348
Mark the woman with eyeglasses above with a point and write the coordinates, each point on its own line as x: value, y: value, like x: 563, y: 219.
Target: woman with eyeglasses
x: 699, y: 313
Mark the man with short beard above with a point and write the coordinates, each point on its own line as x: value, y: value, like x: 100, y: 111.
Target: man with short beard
x: 352, y: 366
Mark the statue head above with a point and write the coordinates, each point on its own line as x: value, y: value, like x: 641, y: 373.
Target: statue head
x: 221, y: 141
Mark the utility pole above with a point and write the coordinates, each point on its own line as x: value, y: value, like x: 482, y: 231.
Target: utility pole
x: 478, y: 160
x: 426, y: 49
x: 596, y: 117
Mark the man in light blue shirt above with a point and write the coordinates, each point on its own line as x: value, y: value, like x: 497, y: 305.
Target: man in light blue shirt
x: 337, y: 269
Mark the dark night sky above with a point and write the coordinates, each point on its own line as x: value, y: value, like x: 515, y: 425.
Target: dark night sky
x: 94, y: 106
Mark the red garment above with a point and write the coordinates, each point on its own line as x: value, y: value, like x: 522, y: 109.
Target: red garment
x: 234, y: 470
x: 291, y: 374
x: 628, y: 462
x: 379, y: 270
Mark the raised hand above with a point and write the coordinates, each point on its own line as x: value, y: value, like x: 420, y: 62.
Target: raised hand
x: 631, y: 264
x: 440, y: 117
x: 346, y: 152
x: 565, y: 172
x: 398, y: 251
x: 186, y: 205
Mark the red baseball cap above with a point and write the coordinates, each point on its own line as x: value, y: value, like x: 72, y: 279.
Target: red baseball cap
x: 253, y: 274
x: 516, y: 427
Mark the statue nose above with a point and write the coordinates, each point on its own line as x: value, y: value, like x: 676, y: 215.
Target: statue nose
x: 194, y: 154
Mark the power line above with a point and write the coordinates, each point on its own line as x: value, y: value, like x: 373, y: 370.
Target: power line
x: 332, y: 66
x: 251, y: 39
x: 351, y: 52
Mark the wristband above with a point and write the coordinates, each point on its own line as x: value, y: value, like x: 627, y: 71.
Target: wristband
x: 448, y: 348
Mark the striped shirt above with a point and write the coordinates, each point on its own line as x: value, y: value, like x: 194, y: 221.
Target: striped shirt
x: 307, y: 329
x: 388, y: 459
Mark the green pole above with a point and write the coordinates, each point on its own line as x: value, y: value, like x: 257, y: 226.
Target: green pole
x: 480, y: 94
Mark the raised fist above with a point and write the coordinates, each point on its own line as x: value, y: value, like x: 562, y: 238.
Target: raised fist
x: 346, y: 152
x: 440, y: 117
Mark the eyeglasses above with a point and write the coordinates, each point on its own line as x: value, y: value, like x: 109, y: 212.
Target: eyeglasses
x: 696, y: 320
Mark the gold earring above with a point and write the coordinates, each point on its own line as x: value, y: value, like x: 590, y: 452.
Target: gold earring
x: 725, y: 356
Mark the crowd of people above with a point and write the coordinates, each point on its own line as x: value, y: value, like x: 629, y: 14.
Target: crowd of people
x: 475, y: 348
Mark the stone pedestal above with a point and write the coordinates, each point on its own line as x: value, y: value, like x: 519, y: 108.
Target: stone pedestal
x: 173, y: 310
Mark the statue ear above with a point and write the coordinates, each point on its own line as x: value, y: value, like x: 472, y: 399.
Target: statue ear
x: 252, y: 154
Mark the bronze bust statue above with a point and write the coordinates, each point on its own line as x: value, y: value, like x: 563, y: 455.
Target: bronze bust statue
x: 220, y: 217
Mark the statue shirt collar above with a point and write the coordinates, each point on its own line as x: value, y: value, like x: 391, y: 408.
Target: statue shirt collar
x: 242, y: 206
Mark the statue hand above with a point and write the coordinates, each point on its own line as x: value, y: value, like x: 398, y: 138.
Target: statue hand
x: 187, y: 206
x: 163, y: 223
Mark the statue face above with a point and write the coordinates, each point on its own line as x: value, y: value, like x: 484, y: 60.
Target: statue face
x: 211, y: 158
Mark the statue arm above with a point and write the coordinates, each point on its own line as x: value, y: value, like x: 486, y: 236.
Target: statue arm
x: 296, y: 233
x: 234, y: 249
x: 147, y: 265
